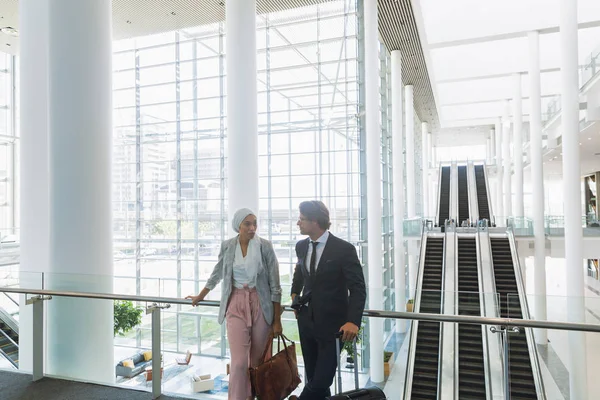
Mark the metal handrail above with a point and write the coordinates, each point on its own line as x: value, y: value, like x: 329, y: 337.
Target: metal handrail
x: 463, y: 319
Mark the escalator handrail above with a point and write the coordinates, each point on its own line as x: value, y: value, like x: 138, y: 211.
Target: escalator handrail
x: 10, y: 360
x: 442, y: 303
x: 439, y: 196
x: 472, y: 193
x: 9, y: 338
x: 489, y: 200
x: 412, y: 344
x: 482, y: 294
x: 533, y: 354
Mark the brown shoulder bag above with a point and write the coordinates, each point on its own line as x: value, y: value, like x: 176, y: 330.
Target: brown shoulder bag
x: 277, y: 377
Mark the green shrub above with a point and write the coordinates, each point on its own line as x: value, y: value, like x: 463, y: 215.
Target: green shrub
x: 127, y: 317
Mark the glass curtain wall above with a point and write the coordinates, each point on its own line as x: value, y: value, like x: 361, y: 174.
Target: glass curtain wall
x: 170, y: 143
x: 8, y: 156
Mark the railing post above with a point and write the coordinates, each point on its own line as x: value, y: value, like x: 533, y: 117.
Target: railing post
x: 155, y: 309
x: 38, y: 335
x: 505, y: 331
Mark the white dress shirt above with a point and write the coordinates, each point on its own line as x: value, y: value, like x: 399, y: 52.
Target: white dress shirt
x: 242, y: 267
x: 320, y: 247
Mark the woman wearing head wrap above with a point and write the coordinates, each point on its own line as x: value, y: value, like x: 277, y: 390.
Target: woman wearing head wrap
x: 250, y: 298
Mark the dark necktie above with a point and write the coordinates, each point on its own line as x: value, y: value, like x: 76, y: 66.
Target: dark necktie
x: 313, y: 259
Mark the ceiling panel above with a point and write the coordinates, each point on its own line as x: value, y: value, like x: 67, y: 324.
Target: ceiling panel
x: 398, y: 31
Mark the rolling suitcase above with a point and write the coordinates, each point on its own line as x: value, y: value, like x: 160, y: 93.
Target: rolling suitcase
x: 372, y: 393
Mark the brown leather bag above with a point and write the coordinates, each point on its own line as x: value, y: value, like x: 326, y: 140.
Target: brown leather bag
x: 277, y: 377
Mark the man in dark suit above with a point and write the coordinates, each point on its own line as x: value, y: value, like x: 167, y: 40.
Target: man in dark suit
x: 328, y: 294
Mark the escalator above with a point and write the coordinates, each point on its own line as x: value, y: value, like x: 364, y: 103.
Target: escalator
x: 427, y: 350
x: 482, y: 195
x: 471, y: 372
x: 444, y: 200
x: 522, y: 383
x: 9, y: 343
x: 463, y: 195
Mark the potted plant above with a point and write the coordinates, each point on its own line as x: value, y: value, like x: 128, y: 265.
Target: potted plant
x: 388, y: 360
x: 409, y: 305
x: 127, y: 317
x: 349, y: 348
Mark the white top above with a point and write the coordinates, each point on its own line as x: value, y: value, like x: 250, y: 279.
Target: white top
x: 244, y: 273
x: 320, y: 247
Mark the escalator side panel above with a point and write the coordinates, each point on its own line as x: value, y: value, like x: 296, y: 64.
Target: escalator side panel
x: 427, y: 350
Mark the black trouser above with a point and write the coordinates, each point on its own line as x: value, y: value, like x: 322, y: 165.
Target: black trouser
x: 320, y: 358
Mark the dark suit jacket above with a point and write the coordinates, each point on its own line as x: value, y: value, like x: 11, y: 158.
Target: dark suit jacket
x: 338, y: 292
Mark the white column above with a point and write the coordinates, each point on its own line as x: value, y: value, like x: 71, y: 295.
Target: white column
x: 518, y: 145
x: 398, y: 174
x: 507, y: 163
x: 410, y: 151
x: 410, y: 181
x: 373, y: 145
x: 572, y: 202
x: 499, y: 174
x: 242, y: 122
x: 34, y: 196
x: 537, y: 184
x: 425, y: 173
x: 80, y: 162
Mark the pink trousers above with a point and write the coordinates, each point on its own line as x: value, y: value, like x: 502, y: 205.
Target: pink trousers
x: 248, y: 333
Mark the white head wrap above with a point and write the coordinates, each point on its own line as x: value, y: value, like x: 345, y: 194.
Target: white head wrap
x: 239, y: 217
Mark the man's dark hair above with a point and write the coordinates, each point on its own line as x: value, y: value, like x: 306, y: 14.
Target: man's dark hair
x: 315, y: 210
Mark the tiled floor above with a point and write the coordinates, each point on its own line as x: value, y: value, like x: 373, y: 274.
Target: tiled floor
x: 200, y: 365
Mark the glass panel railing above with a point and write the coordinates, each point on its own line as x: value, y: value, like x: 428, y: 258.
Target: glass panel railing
x: 521, y: 226
x: 412, y: 226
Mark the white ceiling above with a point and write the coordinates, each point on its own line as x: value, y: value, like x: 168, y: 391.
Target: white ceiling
x: 133, y: 18
x: 477, y: 46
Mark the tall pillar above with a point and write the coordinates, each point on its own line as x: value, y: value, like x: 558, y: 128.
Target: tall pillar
x: 499, y: 173
x: 572, y: 203
x: 410, y: 181
x: 398, y: 187
x: 242, y: 122
x: 425, y: 144
x: 34, y: 196
x: 519, y: 209
x: 373, y: 147
x: 80, y: 162
x: 537, y: 184
x: 410, y: 151
x: 507, y: 163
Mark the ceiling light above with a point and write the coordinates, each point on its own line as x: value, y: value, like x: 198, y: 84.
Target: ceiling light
x: 589, y: 138
x: 9, y: 30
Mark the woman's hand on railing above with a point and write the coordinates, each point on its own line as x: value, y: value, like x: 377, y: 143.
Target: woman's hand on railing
x: 197, y: 299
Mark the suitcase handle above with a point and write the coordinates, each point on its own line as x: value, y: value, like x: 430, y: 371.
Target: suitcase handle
x: 338, y: 347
